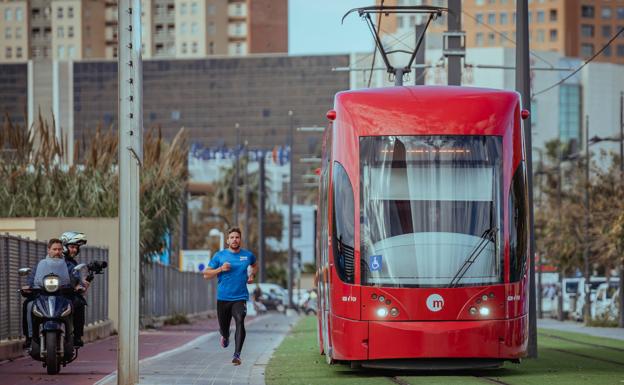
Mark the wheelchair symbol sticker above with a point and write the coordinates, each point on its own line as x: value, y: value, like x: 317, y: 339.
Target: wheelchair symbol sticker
x: 375, y: 262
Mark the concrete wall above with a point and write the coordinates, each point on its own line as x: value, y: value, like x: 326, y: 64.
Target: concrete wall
x: 101, y: 232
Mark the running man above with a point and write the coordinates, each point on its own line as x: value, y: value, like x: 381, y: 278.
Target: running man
x: 230, y: 266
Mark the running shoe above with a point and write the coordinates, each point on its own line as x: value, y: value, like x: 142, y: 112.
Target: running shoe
x: 224, y: 342
x: 236, y: 359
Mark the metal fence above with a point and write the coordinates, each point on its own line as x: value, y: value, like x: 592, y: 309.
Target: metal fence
x: 16, y: 252
x: 167, y: 291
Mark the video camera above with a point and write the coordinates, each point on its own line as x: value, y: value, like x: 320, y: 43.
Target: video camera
x: 96, y: 267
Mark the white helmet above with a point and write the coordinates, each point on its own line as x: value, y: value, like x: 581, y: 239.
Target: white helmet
x: 72, y: 238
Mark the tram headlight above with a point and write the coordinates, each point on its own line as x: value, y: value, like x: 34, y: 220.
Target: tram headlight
x: 484, y: 297
x: 472, y: 310
x: 382, y: 312
x: 394, y: 312
x: 484, y: 311
x: 382, y: 298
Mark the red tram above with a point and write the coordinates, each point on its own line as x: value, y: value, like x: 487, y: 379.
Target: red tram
x: 423, y: 229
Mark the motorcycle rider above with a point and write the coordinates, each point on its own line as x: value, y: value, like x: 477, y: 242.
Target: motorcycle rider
x: 52, y: 263
x: 72, y: 240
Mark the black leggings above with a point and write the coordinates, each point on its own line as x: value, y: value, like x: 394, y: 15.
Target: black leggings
x: 225, y: 311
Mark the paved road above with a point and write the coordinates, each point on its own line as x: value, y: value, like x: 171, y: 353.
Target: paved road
x: 578, y: 327
x: 204, y: 361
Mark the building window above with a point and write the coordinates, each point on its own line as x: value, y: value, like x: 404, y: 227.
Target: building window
x: 183, y: 29
x: 587, y: 49
x: 606, y: 12
x: 71, y: 51
x: 61, y: 52
x: 503, y: 38
x: 553, y: 35
x: 620, y: 50
x: 183, y: 9
x: 194, y: 47
x: 238, y: 9
x: 194, y: 8
x: 553, y: 15
x: 70, y: 31
x: 620, y: 13
x: 70, y: 12
x: 8, y: 53
x: 607, y: 51
x: 238, y: 29
x: 211, y: 28
x: 60, y: 32
x: 8, y: 14
x: 296, y: 226
x: 491, y: 38
x: 184, y: 48
x: 59, y: 12
x: 541, y: 36
x: 606, y: 31
x: 491, y: 18
x: 18, y: 32
x: 541, y: 17
x: 238, y: 48
x: 587, y: 11
x: 211, y: 9
x: 175, y: 115
x: 504, y: 18
x: 479, y: 18
x: 587, y: 30
x: 569, y: 112
x: 211, y: 48
x: 479, y: 39
x: 19, y: 14
x: 194, y: 28
x: 8, y: 32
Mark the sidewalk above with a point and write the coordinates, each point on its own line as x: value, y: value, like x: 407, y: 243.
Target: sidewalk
x: 98, y: 359
x: 203, y: 361
x: 578, y: 327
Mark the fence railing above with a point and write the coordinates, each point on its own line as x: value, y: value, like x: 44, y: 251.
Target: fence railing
x: 16, y: 252
x: 167, y: 291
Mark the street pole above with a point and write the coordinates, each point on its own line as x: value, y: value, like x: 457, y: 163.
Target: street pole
x: 523, y: 86
x: 621, y: 298
x: 560, y: 315
x: 236, y: 176
x: 130, y: 83
x: 540, y: 305
x: 419, y: 72
x: 454, y: 43
x: 587, y: 308
x: 290, y: 211
x: 247, y: 192
x: 261, y: 255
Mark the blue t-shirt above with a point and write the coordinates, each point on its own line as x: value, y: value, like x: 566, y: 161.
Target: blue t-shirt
x: 232, y: 284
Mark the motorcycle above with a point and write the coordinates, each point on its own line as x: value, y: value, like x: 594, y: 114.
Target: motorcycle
x: 52, y: 324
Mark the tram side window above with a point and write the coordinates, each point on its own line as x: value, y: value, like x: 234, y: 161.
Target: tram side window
x: 343, y: 214
x: 518, y: 226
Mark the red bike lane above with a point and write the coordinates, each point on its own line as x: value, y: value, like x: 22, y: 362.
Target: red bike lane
x: 98, y: 359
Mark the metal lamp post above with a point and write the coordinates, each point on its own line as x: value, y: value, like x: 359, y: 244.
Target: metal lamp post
x: 217, y: 233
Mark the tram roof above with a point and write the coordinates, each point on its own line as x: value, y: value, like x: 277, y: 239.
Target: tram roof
x: 428, y: 109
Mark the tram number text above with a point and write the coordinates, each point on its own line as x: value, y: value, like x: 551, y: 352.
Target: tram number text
x: 513, y: 298
x: 349, y: 298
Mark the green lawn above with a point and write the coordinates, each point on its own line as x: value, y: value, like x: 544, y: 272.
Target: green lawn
x: 562, y: 360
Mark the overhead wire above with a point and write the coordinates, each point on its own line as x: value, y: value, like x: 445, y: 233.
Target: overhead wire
x: 370, y: 77
x: 582, y: 65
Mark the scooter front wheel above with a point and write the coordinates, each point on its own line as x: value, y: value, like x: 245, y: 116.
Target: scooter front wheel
x: 53, y: 364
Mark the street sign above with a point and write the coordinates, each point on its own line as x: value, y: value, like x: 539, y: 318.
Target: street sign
x: 194, y: 260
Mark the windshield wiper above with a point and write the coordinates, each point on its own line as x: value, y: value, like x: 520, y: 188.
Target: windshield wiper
x: 488, y: 235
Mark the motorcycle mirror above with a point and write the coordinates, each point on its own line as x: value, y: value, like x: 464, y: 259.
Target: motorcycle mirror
x: 80, y: 267
x: 24, y: 271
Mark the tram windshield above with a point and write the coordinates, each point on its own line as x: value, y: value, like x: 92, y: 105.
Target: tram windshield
x: 431, y: 210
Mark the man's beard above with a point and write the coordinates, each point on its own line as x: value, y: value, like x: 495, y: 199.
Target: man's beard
x: 235, y: 247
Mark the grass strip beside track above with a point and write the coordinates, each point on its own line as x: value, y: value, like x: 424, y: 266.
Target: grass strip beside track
x: 564, y: 358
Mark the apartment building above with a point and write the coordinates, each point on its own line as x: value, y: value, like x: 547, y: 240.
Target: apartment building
x: 575, y: 28
x: 84, y: 29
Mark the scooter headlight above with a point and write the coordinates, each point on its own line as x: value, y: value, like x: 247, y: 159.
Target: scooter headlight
x: 51, y: 284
